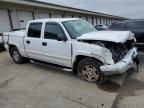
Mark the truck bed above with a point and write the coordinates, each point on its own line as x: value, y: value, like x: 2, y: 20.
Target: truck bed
x: 14, y: 37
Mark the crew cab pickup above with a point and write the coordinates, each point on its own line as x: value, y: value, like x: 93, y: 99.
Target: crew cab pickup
x: 75, y: 44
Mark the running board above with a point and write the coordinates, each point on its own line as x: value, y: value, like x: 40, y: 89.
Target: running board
x: 50, y: 65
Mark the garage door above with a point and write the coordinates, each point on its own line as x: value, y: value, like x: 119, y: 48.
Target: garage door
x: 98, y: 20
x: 102, y: 20
x: 94, y: 21
x: 84, y: 18
x: 4, y: 21
x: 24, y: 17
x: 44, y: 15
x: 58, y: 16
x: 90, y: 20
x: 75, y: 16
x: 68, y: 16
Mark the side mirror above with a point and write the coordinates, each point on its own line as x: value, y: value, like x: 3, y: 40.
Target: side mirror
x: 61, y: 37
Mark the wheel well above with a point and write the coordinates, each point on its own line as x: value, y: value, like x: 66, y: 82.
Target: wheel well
x: 78, y: 59
x: 10, y: 47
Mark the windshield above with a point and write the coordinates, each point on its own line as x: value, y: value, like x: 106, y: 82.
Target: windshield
x: 76, y: 28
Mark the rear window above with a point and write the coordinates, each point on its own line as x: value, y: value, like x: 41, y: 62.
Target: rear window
x: 34, y: 30
x: 136, y: 25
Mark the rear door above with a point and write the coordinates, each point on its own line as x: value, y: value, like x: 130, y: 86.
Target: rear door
x: 33, y: 41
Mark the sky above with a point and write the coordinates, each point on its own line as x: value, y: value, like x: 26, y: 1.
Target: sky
x: 126, y: 8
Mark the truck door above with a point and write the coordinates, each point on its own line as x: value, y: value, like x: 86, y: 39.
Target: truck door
x: 33, y: 40
x: 54, y: 51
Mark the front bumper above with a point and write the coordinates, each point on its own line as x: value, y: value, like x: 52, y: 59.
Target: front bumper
x: 121, y: 66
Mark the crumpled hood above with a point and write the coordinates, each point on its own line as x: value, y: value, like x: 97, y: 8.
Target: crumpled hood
x: 113, y: 36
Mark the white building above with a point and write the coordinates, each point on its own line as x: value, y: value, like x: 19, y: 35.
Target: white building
x: 14, y: 14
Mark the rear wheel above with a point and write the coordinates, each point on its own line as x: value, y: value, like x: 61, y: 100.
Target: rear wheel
x: 16, y: 56
x: 89, y: 70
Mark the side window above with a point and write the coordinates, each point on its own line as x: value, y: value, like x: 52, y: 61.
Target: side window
x: 34, y: 30
x: 52, y: 31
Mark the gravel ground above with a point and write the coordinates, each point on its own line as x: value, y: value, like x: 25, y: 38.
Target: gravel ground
x: 131, y: 93
x: 36, y: 86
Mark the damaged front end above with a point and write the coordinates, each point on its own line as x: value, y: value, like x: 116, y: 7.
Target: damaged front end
x: 118, y: 50
x: 124, y: 56
x: 123, y: 65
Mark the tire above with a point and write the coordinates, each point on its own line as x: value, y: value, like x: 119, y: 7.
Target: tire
x: 16, y: 56
x: 89, y: 70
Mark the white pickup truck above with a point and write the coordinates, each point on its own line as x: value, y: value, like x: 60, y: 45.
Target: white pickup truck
x: 75, y: 44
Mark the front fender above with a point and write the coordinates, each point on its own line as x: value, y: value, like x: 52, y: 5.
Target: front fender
x: 88, y: 54
x: 90, y: 50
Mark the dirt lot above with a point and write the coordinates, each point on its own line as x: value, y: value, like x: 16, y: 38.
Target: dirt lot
x: 131, y: 93
x: 36, y: 86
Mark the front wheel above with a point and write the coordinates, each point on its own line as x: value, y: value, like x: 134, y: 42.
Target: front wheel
x: 89, y: 70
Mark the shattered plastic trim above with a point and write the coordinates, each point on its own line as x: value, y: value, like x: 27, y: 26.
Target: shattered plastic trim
x: 122, y: 66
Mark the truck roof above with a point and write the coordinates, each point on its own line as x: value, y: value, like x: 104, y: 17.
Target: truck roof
x: 54, y: 20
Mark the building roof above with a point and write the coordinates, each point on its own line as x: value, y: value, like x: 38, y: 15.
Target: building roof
x: 130, y: 20
x: 98, y: 13
x: 59, y: 7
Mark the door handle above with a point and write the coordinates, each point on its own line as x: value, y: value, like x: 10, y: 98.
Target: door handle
x: 28, y: 42
x: 44, y: 44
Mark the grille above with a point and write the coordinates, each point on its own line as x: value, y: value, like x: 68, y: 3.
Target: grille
x: 119, y: 50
